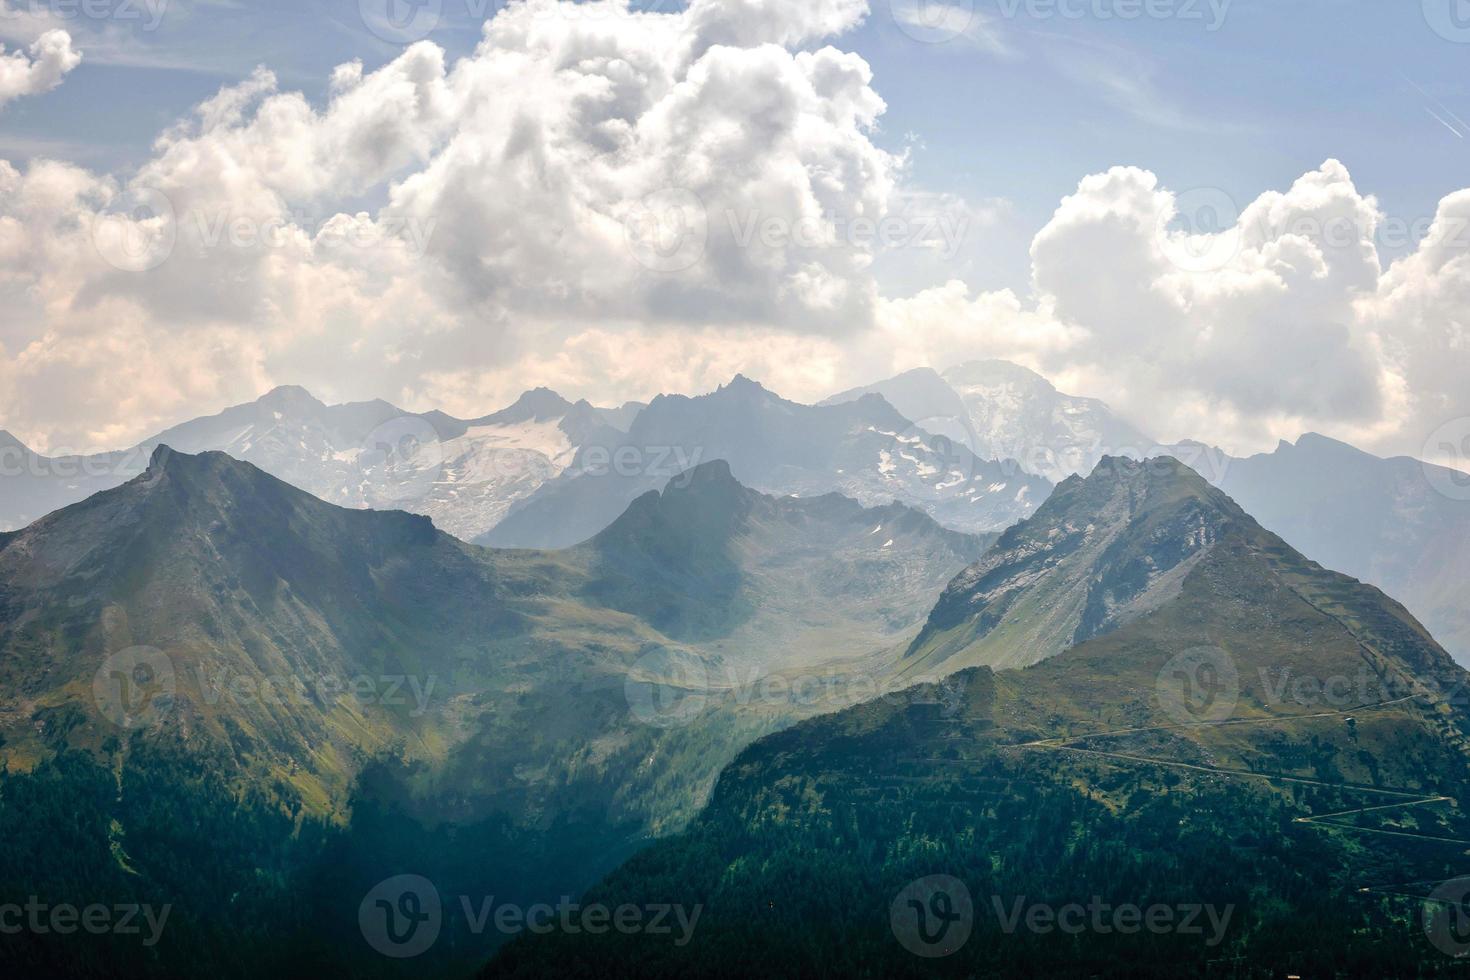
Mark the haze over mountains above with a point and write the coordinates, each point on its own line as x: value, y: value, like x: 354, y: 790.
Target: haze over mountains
x: 546, y: 712
x: 1099, y: 553
x: 863, y: 449
x: 332, y: 663
x: 175, y: 559
x: 961, y: 446
x: 1001, y: 410
x: 1400, y: 524
x: 464, y: 473
x: 1158, y: 763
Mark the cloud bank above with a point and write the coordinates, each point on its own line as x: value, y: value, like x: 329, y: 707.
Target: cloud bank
x: 617, y: 202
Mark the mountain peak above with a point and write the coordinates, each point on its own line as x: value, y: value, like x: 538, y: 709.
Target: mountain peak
x: 159, y: 461
x: 289, y: 396
x: 1099, y: 553
x: 715, y: 473
x: 536, y: 405
x: 742, y: 385
x: 8, y: 441
x: 996, y: 372
x: 1318, y: 443
x: 543, y: 402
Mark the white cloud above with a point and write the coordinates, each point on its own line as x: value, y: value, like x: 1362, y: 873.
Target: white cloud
x: 1241, y: 326
x: 39, y: 69
x: 424, y: 225
x: 618, y: 202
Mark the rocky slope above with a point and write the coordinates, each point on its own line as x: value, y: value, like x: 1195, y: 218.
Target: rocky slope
x: 464, y: 473
x: 864, y: 450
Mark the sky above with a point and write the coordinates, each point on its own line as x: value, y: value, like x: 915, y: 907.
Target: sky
x: 1234, y: 220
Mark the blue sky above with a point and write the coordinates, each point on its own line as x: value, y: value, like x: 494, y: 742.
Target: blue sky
x: 1017, y: 109
x: 503, y: 216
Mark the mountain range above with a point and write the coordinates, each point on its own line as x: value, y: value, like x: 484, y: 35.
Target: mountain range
x: 547, y: 472
x: 207, y: 632
x: 1153, y: 761
x: 1385, y: 521
x: 864, y: 449
x: 463, y: 473
x: 1000, y: 410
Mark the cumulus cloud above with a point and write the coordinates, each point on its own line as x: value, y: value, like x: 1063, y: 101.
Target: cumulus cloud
x: 1241, y: 325
x: 654, y: 172
x: 669, y: 198
x: 39, y: 69
x: 1253, y: 317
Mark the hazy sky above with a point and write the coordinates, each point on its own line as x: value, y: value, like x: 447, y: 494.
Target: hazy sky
x: 616, y: 202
